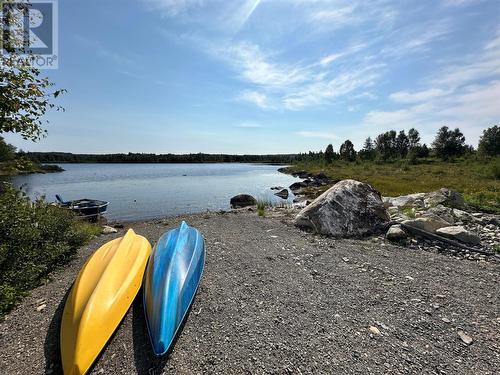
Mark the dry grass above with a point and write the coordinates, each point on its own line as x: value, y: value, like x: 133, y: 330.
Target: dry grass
x: 478, y: 180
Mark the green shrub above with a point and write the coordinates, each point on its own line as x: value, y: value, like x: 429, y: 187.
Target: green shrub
x: 35, y: 237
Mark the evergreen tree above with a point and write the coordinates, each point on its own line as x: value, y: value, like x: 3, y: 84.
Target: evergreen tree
x: 402, y: 144
x: 413, y: 138
x: 448, y: 143
x: 489, y: 143
x: 329, y: 153
x: 347, y: 151
x: 385, y: 144
x: 368, y: 151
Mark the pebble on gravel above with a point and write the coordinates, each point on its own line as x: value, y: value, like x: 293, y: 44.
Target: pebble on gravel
x: 108, y: 230
x: 374, y: 330
x: 396, y: 234
x: 465, y: 338
x: 41, y: 307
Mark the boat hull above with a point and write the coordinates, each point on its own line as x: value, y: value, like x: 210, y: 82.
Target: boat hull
x: 99, y: 299
x: 171, y: 280
x: 88, y: 208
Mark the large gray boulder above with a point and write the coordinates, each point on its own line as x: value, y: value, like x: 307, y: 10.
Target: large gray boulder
x: 348, y: 209
x: 446, y: 197
x: 443, y: 212
x: 242, y: 200
x: 459, y: 233
x: 428, y: 222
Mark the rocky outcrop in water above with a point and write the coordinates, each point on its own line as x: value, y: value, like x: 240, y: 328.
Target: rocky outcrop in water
x: 282, y: 194
x: 242, y: 200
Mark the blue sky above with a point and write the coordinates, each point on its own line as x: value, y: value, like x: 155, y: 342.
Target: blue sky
x: 269, y: 76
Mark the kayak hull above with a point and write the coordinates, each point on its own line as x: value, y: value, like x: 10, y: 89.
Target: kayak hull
x: 171, y: 280
x: 99, y: 299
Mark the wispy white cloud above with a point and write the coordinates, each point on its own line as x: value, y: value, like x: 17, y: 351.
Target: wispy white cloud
x: 453, y: 97
x: 434, y: 32
x: 476, y: 104
x: 331, y: 15
x: 455, y: 3
x: 419, y: 96
x: 172, y: 7
x: 336, y: 56
x: 417, y: 38
x: 298, y: 85
x: 224, y: 16
x: 254, y: 97
x: 336, y: 16
x: 256, y: 67
x: 322, y: 91
x: 367, y: 41
x: 317, y: 134
x: 481, y: 65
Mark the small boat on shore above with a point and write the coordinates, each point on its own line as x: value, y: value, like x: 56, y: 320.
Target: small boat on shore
x: 171, y: 280
x: 91, y: 209
x: 99, y: 299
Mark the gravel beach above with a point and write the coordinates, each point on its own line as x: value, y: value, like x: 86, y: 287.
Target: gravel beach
x: 274, y: 299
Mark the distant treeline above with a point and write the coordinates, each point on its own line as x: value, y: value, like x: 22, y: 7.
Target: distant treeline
x: 66, y: 157
x: 393, y: 145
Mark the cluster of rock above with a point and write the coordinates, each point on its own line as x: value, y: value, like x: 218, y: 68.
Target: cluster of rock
x: 445, y: 214
x: 309, y: 180
x: 352, y: 209
x: 438, y: 220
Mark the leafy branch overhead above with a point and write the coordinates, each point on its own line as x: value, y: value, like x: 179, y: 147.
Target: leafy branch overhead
x: 25, y: 96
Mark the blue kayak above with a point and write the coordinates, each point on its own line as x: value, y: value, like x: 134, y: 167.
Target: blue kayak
x: 172, y: 277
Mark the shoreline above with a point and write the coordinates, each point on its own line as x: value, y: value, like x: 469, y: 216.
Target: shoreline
x: 39, y: 169
x: 272, y: 295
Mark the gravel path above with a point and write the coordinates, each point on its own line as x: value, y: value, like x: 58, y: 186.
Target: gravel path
x: 276, y: 300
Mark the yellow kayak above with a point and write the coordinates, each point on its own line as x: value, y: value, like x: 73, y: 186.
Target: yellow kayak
x: 101, y: 295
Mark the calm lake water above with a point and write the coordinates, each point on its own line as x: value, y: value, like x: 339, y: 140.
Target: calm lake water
x: 145, y: 191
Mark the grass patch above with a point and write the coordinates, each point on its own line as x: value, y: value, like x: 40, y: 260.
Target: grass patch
x: 263, y: 204
x: 261, y: 208
x: 409, y: 212
x: 477, y: 179
x: 35, y: 237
